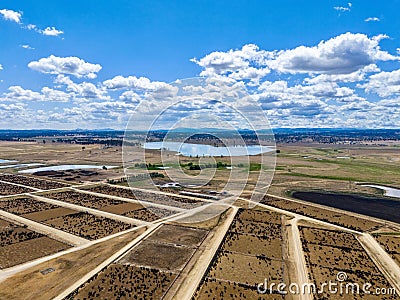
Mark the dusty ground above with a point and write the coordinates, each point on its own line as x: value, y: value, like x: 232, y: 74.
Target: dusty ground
x: 348, y: 221
x: 298, y: 165
x: 84, y: 199
x: 68, y: 269
x: 249, y: 270
x: 269, y: 230
x: 18, y: 253
x: 179, y: 235
x: 149, y: 214
x: 87, y: 225
x: 250, y: 253
x: 253, y: 245
x: 31, y: 181
x: 42, y: 216
x: 24, y: 205
x: 159, y: 256
x: 120, y: 281
x: 327, y: 167
x: 228, y: 290
x: 330, y: 238
x: 9, y: 189
x: 157, y: 198
x: 252, y: 234
x: 329, y: 252
x: 19, y: 245
x: 391, y: 243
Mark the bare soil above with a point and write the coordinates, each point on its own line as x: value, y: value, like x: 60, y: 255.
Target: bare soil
x: 157, y: 255
x: 249, y: 270
x: 149, y: 214
x: 31, y: 181
x: 120, y: 281
x: 88, y: 226
x: 179, y: 235
x: 42, y: 216
x: 341, y: 219
x: 24, y: 205
x: 69, y: 268
x: 215, y: 289
x: 10, y: 189
x: 253, y: 245
x: 28, y: 250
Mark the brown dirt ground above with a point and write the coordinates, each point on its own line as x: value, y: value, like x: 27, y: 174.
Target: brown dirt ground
x: 68, y: 269
x: 178, y: 235
x: 23, y: 205
x: 88, y: 226
x: 255, y: 215
x: 149, y: 214
x: 340, y: 219
x: 159, y: 256
x: 254, y: 245
x: 226, y: 290
x: 15, y: 254
x: 126, y: 282
x: 10, y: 189
x: 122, y: 208
x: 324, y: 275
x: 330, y: 238
x: 245, y: 269
x: 54, y: 213
x: 348, y: 259
x: 259, y: 229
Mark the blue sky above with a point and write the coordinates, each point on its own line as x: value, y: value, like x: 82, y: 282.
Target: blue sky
x: 61, y: 60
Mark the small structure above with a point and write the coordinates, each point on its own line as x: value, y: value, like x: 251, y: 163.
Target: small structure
x: 47, y: 271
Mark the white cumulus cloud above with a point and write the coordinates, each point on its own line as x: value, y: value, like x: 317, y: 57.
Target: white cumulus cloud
x: 135, y: 83
x: 343, y: 8
x: 49, y: 94
x: 85, y: 90
x: 384, y: 83
x: 11, y: 15
x: 66, y: 65
x: 356, y: 76
x: 246, y: 63
x: 27, y: 47
x: 130, y: 96
x: 343, y: 54
x: 18, y: 93
x: 51, y: 31
x: 372, y: 19
x: 16, y: 17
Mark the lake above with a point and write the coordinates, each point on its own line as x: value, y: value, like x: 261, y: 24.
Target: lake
x: 378, y: 207
x: 20, y: 165
x: 5, y: 161
x: 63, y: 168
x: 390, y: 192
x: 187, y: 149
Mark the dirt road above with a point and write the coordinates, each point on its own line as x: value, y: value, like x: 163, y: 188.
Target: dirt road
x: 193, y: 278
x: 382, y: 259
x: 297, y: 255
x: 46, y: 230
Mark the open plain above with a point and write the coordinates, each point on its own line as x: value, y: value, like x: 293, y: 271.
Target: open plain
x: 148, y: 244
